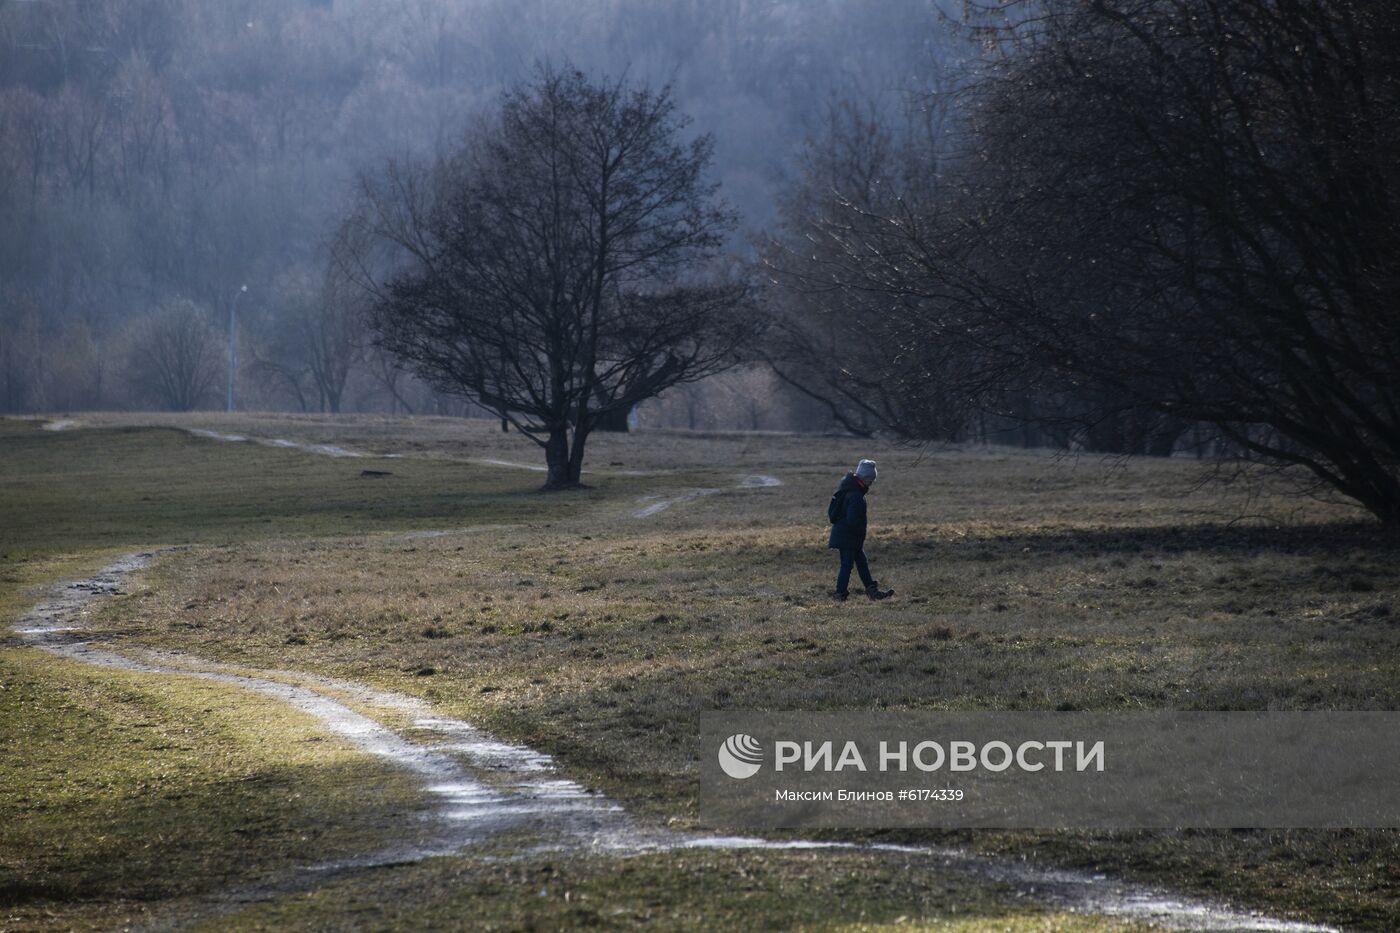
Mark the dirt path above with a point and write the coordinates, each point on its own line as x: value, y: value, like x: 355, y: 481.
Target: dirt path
x: 655, y: 503
x: 333, y: 450
x: 482, y: 786
x: 324, y: 450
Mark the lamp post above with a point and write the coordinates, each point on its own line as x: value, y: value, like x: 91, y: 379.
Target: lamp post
x: 232, y: 345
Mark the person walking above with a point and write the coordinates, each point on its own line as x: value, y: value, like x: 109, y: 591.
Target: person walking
x: 848, y: 524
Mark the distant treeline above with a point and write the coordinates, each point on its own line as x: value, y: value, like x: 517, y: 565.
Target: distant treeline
x: 159, y: 154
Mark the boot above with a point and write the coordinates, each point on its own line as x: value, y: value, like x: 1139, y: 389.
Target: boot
x: 874, y: 592
x: 839, y: 596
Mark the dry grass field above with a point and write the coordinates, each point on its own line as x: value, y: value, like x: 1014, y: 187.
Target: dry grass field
x: 594, y: 627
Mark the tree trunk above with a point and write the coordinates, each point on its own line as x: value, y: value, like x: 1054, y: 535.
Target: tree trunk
x: 556, y: 458
x: 576, y: 456
x: 1163, y: 441
x: 615, y: 420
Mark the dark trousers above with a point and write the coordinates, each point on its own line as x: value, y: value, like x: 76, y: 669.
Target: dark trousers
x: 850, y: 557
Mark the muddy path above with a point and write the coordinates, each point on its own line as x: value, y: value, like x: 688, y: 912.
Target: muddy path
x: 480, y: 786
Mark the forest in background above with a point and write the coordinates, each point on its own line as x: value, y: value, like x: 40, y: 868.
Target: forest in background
x: 162, y: 154
x: 1132, y: 227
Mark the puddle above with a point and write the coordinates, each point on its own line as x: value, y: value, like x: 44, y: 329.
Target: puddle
x: 481, y: 786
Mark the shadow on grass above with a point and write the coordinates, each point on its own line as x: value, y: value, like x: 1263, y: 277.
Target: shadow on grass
x: 162, y: 842
x: 1326, y: 539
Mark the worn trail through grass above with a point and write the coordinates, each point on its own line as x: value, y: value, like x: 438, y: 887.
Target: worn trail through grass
x: 651, y: 504
x: 484, y: 787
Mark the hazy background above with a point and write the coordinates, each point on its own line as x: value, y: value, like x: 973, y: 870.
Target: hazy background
x: 159, y: 154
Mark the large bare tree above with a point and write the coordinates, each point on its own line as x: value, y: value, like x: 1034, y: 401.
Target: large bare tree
x: 1166, y: 212
x: 1190, y: 205
x: 560, y: 266
x: 850, y: 330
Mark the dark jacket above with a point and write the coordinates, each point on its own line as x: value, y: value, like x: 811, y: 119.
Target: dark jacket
x: 847, y: 514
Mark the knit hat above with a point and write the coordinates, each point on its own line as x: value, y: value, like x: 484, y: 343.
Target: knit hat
x: 866, y: 472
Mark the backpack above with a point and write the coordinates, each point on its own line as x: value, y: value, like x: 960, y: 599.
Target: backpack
x: 837, y: 507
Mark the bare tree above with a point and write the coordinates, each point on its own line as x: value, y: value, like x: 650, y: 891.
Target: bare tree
x: 332, y: 326
x: 175, y: 355
x: 854, y: 329
x: 314, y: 337
x: 1165, y: 212
x: 389, y: 375
x: 1189, y: 206
x: 554, y: 268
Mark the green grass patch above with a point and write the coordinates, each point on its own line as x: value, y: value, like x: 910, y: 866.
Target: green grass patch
x: 693, y: 890
x: 93, y: 488
x: 122, y: 789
